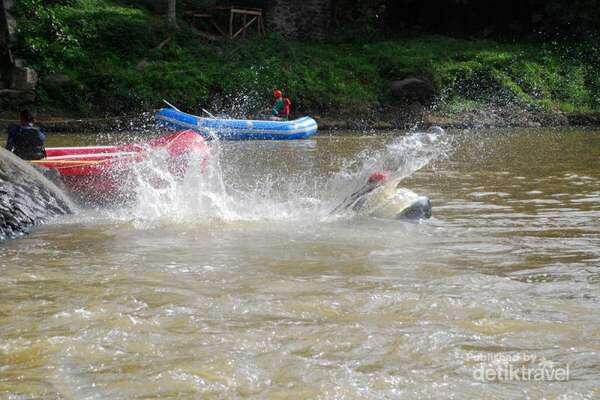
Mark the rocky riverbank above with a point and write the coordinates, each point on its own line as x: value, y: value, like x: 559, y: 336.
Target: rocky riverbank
x: 394, y: 119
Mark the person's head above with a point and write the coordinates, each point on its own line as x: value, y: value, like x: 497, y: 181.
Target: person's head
x: 277, y: 94
x: 379, y: 177
x: 27, y: 117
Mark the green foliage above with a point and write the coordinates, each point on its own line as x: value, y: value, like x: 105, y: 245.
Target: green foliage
x: 67, y: 32
x: 108, y: 50
x: 44, y: 39
x: 106, y: 28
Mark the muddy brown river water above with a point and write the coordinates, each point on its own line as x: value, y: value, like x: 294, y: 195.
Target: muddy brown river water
x: 244, y: 287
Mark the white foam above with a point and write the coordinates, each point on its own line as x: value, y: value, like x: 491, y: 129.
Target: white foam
x: 202, y: 196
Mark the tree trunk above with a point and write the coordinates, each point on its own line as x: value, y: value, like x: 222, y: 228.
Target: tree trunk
x: 172, y: 15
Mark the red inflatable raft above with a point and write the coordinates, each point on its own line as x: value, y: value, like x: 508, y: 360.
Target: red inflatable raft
x: 100, y: 171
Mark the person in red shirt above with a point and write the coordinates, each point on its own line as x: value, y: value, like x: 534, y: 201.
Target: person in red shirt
x: 282, y: 106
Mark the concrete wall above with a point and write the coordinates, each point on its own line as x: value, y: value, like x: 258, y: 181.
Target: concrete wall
x: 299, y: 19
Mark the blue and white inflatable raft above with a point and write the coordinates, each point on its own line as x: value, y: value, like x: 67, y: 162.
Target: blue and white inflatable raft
x: 238, y: 129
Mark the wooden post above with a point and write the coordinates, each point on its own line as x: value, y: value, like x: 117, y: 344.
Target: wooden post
x: 172, y: 14
x: 231, y: 14
x: 243, y: 28
x: 244, y: 24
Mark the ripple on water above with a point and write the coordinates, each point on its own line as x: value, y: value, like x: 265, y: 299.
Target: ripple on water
x: 97, y: 306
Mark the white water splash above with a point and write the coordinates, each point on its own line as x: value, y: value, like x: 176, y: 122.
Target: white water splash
x: 201, y: 195
x: 401, y: 159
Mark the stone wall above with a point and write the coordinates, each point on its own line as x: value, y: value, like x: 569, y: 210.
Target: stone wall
x: 6, y: 33
x: 8, y: 24
x: 17, y: 82
x: 299, y: 19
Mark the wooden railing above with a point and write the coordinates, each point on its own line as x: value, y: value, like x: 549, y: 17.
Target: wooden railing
x: 239, y: 21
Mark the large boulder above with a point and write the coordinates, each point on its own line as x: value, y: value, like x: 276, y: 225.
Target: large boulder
x: 57, y: 79
x: 413, y: 90
x: 27, y: 198
x: 24, y: 79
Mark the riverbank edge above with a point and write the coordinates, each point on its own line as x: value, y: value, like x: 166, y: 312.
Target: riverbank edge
x: 481, y: 119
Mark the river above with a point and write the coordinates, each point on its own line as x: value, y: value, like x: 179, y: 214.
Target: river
x: 246, y: 288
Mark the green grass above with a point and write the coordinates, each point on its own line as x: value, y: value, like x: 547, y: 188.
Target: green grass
x: 98, y: 45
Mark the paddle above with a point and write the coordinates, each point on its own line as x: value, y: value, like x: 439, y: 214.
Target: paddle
x: 171, y: 105
x: 177, y: 109
x: 207, y: 113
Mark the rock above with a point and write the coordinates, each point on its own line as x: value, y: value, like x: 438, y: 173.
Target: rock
x: 412, y: 90
x: 10, y: 93
x: 12, y: 96
x: 584, y: 119
x: 143, y: 65
x: 27, y: 198
x: 7, y: 10
x: 57, y: 79
x: 24, y: 79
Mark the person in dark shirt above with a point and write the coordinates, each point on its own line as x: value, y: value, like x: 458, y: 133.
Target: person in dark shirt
x: 26, y: 140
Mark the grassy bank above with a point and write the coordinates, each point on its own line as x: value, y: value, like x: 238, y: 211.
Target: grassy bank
x: 102, y: 57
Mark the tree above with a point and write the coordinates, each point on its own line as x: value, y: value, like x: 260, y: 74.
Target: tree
x: 172, y: 15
